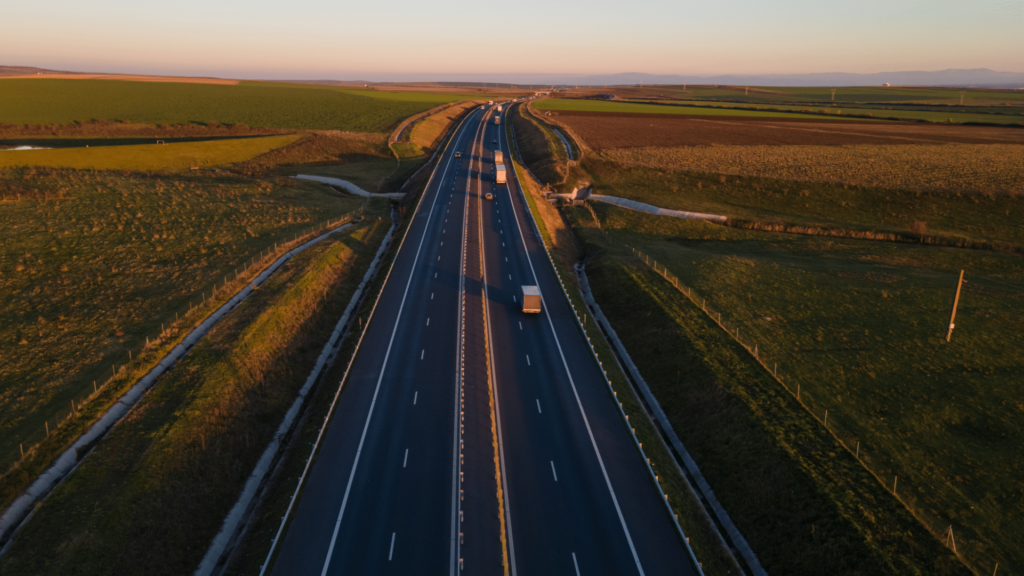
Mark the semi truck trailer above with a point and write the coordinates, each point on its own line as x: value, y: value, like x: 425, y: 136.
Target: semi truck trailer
x: 531, y: 299
x: 499, y: 158
x: 499, y: 173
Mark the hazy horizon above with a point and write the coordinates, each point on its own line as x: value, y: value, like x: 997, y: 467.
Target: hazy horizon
x: 316, y: 40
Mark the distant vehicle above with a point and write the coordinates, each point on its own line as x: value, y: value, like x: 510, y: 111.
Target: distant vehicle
x: 458, y: 154
x: 499, y: 107
x: 499, y: 173
x: 494, y: 141
x: 490, y: 102
x: 499, y: 158
x: 489, y: 196
x: 497, y: 120
x: 531, y: 299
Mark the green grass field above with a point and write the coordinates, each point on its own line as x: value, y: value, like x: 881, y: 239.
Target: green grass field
x: 956, y: 115
x: 149, y: 157
x: 976, y: 216
x: 859, y: 326
x: 639, y: 108
x: 93, y: 263
x: 822, y: 95
x: 255, y: 104
x: 192, y: 442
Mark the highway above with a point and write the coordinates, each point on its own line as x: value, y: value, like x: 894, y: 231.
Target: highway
x: 580, y: 500
x: 383, y: 496
x: 451, y: 373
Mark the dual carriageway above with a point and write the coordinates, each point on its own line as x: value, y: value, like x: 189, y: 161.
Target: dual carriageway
x: 471, y: 437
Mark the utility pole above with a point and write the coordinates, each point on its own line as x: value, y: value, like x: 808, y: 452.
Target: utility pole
x: 962, y: 93
x: 833, y: 95
x: 956, y: 300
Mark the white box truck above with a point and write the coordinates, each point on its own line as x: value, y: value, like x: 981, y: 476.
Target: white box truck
x: 531, y: 299
x: 499, y: 173
x: 499, y: 107
x: 499, y: 158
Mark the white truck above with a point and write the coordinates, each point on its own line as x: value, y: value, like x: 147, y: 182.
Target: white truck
x: 531, y: 299
x: 497, y: 120
x: 499, y: 107
x: 499, y: 173
x: 499, y: 158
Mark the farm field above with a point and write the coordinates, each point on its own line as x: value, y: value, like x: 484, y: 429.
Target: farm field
x: 253, y: 104
x: 604, y: 131
x: 983, y: 217
x: 189, y: 446
x: 904, y: 95
x: 943, y: 114
x: 93, y: 263
x: 639, y: 108
x: 175, y: 156
x: 963, y: 168
x: 859, y: 326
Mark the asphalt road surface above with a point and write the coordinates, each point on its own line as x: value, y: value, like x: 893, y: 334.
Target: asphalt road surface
x: 406, y: 479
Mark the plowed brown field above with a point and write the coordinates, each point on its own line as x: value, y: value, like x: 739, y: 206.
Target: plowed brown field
x: 608, y: 131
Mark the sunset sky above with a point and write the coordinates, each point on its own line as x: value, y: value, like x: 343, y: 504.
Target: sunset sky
x: 402, y: 38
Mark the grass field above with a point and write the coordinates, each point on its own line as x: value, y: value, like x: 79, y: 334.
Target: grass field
x: 149, y: 157
x: 859, y: 327
x: 987, y: 115
x: 640, y: 108
x: 957, y: 168
x: 187, y: 449
x: 92, y: 264
x: 255, y: 104
x: 976, y: 216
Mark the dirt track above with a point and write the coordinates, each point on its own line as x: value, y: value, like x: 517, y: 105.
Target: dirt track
x: 608, y: 131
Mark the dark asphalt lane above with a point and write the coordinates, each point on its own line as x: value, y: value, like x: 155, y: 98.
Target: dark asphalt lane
x: 379, y: 498
x: 568, y: 513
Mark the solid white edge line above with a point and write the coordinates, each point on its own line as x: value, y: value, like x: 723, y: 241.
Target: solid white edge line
x: 391, y: 552
x: 387, y: 355
x: 572, y: 383
x: 574, y: 563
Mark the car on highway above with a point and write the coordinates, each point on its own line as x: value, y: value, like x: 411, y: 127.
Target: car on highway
x: 458, y: 154
x: 489, y: 196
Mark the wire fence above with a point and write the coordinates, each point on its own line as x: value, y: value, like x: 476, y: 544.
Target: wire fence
x: 82, y: 407
x: 884, y: 472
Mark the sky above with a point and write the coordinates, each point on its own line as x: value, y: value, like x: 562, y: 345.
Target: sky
x: 416, y: 40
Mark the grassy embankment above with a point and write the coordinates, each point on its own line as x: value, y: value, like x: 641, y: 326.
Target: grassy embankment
x: 565, y: 252
x: 153, y: 494
x: 93, y: 265
x: 543, y: 153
